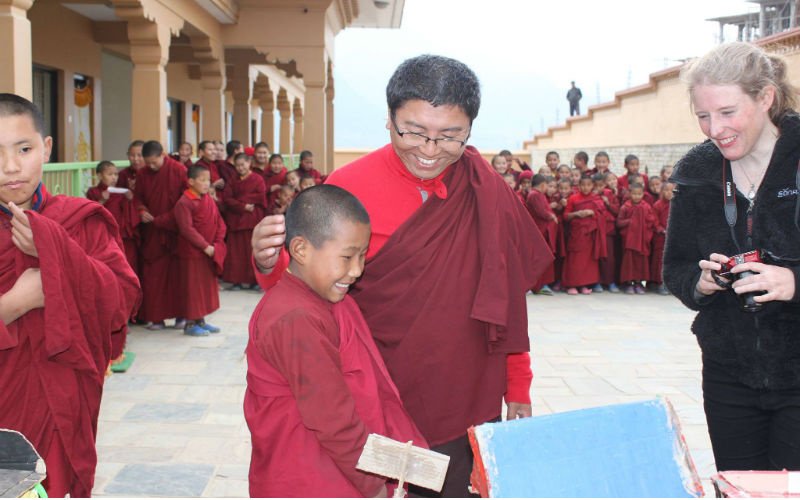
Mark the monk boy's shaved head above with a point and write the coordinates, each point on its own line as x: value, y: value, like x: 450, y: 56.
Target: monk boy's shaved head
x: 315, y: 212
x: 14, y: 105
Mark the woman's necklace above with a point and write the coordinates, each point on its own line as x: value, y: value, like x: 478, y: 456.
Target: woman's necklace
x: 751, y: 195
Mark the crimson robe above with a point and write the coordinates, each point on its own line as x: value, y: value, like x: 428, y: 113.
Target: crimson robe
x: 636, y: 224
x: 53, y: 360
x: 240, y: 223
x: 212, y: 168
x: 561, y: 237
x: 316, y: 388
x: 539, y: 208
x: 661, y: 210
x: 124, y: 212
x: 188, y: 163
x: 586, y: 244
x: 199, y: 226
x: 127, y: 178
x: 157, y: 192
x: 623, y: 184
x: 311, y: 172
x: 608, y: 264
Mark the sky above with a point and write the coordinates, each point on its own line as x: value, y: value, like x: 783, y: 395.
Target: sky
x: 525, y: 53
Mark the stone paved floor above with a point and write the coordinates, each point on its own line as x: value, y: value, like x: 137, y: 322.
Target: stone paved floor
x: 173, y: 425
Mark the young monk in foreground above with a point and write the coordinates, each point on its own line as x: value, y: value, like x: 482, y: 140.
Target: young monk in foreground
x: 316, y: 383
x: 54, y: 352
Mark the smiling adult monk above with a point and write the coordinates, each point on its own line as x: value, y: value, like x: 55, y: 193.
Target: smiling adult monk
x: 451, y: 256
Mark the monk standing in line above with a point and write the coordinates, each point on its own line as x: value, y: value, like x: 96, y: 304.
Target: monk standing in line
x: 65, y: 291
x: 447, y: 235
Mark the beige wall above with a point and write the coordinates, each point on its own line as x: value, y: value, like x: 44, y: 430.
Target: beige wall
x: 72, y: 51
x: 116, y: 107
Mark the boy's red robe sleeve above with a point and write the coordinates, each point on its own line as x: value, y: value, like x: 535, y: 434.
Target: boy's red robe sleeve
x: 518, y: 378
x: 85, y: 300
x: 305, y: 355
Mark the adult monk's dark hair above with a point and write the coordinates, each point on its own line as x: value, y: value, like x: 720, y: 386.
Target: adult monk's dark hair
x: 196, y: 170
x: 14, y: 105
x: 136, y: 144
x: 151, y: 149
x: 437, y: 80
x: 313, y: 214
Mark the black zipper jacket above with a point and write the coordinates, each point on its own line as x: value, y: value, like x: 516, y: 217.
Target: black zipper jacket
x: 761, y: 349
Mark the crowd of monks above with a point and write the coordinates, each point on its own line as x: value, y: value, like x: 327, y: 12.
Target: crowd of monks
x: 246, y: 185
x: 607, y: 232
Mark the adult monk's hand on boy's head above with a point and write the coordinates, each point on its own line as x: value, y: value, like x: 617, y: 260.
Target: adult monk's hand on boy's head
x: 268, y: 238
x: 21, y: 233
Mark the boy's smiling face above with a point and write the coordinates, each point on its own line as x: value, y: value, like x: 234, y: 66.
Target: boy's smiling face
x: 23, y: 151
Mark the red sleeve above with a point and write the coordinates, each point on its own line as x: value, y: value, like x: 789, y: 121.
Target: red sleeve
x: 624, y: 218
x: 518, y: 378
x: 183, y: 218
x: 570, y: 206
x: 267, y: 281
x: 93, y: 194
x: 302, y: 351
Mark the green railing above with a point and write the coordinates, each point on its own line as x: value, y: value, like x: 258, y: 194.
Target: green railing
x: 75, y: 179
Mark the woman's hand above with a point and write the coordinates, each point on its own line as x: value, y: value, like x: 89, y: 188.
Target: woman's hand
x: 777, y: 281
x: 706, y: 284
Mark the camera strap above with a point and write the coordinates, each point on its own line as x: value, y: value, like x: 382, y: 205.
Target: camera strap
x: 729, y: 198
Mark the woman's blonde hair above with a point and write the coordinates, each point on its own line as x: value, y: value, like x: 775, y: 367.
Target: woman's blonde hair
x: 749, y: 67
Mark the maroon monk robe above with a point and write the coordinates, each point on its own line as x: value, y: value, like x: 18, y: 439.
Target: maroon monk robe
x: 636, y: 224
x: 316, y: 387
x: 212, y: 168
x: 199, y: 226
x: 609, y: 264
x: 240, y: 222
x: 539, y: 208
x: 272, y: 179
x: 53, y: 360
x: 124, y: 212
x: 471, y: 250
x: 586, y: 244
x: 310, y: 172
x: 661, y: 210
x: 157, y: 192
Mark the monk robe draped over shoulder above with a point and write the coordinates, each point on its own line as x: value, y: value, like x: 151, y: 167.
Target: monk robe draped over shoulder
x: 316, y: 387
x: 445, y: 295
x: 53, y: 359
x: 636, y: 224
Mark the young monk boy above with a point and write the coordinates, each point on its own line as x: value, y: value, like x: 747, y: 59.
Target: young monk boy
x: 547, y: 222
x: 283, y: 199
x: 260, y: 163
x: 636, y: 222
x: 127, y: 176
x: 201, y: 252
x: 65, y: 289
x: 307, y: 182
x: 184, y: 154
x: 246, y: 202
x: 608, y: 264
x: 586, y: 243
x: 158, y: 188
x: 306, y: 166
x: 208, y: 158
x: 316, y: 383
x: 122, y: 208
x: 661, y: 210
x: 275, y: 175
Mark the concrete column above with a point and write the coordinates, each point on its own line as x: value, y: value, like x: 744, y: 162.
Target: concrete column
x: 16, y: 59
x: 793, y: 15
x: 315, y: 137
x: 149, y: 54
x: 267, y: 103
x: 285, y: 110
x: 242, y: 91
x: 762, y: 21
x: 212, y: 107
x: 329, y: 129
x: 297, y: 144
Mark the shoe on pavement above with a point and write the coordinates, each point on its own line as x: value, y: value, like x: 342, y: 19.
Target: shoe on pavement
x: 235, y: 287
x: 195, y: 331
x: 629, y: 290
x: 572, y: 291
x: 585, y: 290
x: 639, y: 289
x: 180, y: 324
x: 209, y: 327
x: 545, y: 290
x: 598, y: 288
x: 557, y: 287
x: 153, y: 327
x: 613, y: 288
x: 662, y: 289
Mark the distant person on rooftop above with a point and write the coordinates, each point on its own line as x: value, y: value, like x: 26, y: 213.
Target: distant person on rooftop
x: 574, y: 96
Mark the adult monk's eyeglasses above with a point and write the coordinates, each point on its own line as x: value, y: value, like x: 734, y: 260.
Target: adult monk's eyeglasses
x: 413, y: 139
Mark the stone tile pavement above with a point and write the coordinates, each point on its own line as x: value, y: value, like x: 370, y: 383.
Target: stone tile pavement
x: 173, y: 425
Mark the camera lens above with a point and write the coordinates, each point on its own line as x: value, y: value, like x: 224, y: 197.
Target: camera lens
x: 747, y: 300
